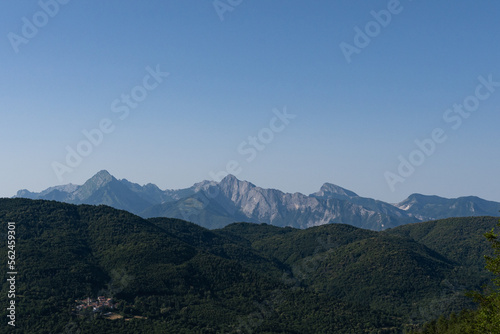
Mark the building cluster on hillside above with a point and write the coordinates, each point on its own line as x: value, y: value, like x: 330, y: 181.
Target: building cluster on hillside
x: 97, y: 305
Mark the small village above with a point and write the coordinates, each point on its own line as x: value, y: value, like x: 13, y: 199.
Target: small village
x: 97, y: 305
x: 102, y: 306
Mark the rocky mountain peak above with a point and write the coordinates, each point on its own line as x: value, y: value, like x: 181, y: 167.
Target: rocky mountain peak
x: 329, y: 190
x: 236, y: 200
x: 231, y: 182
x: 95, y: 182
x: 25, y: 193
x: 236, y: 190
x: 102, y: 177
x: 229, y: 178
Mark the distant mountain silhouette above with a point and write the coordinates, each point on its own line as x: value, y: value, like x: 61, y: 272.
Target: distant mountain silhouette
x: 217, y: 204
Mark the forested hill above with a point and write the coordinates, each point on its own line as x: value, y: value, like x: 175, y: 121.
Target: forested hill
x: 171, y: 276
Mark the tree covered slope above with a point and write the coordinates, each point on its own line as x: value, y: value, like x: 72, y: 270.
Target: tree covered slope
x: 177, y: 277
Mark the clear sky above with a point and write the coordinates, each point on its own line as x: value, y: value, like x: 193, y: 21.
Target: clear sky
x: 360, y: 81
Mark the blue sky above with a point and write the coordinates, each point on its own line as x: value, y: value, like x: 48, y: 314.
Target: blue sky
x: 228, y: 79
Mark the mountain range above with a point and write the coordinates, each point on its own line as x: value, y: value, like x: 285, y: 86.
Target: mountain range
x: 216, y: 204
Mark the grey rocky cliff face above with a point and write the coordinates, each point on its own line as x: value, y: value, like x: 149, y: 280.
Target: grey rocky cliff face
x: 297, y: 210
x: 216, y: 204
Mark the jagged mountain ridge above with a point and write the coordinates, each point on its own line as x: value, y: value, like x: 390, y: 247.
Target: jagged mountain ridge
x: 435, y: 207
x: 217, y: 204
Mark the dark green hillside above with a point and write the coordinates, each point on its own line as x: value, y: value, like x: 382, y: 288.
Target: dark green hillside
x: 290, y: 248
x: 485, y: 318
x: 177, y: 277
x: 67, y: 252
x: 221, y: 244
x: 182, y: 278
x: 361, y: 266
x: 390, y: 273
x: 459, y: 239
x: 249, y: 233
x: 387, y: 271
x: 53, y: 257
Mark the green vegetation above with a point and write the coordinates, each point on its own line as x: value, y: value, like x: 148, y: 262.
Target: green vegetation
x: 486, y: 319
x: 177, y: 277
